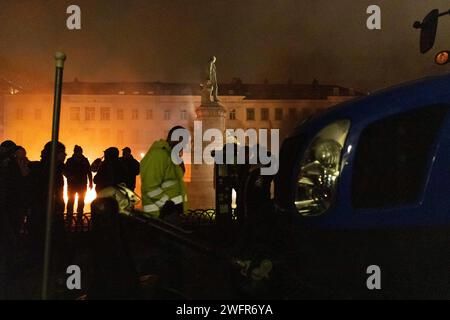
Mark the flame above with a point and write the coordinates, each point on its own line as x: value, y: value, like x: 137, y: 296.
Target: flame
x: 91, y: 195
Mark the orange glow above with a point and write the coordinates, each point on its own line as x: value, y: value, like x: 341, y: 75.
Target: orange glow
x: 442, y: 58
x: 91, y: 195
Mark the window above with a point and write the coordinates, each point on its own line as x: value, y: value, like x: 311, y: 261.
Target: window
x: 90, y: 113
x: 75, y: 113
x: 120, y: 139
x: 183, y: 115
x: 167, y: 115
x: 392, y: 156
x: 292, y: 113
x: 104, y: 114
x: 19, y: 137
x: 134, y: 114
x: 300, y: 114
x: 37, y: 114
x: 264, y: 114
x: 149, y: 114
x: 137, y: 136
x: 149, y: 136
x: 308, y: 112
x: 250, y: 114
x: 19, y: 114
x: 105, y: 135
x: 233, y: 114
x: 119, y: 114
x: 278, y: 114
x: 92, y: 134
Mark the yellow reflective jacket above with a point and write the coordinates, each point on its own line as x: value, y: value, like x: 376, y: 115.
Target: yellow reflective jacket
x: 161, y: 179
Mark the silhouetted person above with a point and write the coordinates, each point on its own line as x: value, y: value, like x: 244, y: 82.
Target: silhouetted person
x: 19, y: 186
x: 78, y: 172
x: 256, y: 203
x: 113, y: 274
x: 111, y: 172
x: 40, y: 173
x: 132, y: 167
x: 7, y: 149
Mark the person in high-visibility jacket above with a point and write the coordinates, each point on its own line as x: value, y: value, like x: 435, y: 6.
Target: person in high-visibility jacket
x: 162, y: 185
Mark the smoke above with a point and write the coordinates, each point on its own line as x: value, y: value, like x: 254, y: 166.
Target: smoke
x: 170, y: 41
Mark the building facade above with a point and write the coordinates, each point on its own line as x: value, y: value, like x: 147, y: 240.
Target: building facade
x: 99, y: 115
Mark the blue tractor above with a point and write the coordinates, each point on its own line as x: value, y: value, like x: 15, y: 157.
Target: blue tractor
x: 366, y: 186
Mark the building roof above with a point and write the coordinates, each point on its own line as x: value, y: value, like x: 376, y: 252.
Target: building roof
x: 236, y: 88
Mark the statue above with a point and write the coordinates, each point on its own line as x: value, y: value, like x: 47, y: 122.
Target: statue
x: 209, y: 85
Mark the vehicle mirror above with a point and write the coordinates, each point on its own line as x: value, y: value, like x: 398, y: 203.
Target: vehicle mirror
x: 428, y: 30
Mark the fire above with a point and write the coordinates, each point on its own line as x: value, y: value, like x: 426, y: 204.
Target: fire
x: 91, y: 195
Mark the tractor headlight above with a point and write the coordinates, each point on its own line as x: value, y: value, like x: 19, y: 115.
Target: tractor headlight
x: 320, y: 169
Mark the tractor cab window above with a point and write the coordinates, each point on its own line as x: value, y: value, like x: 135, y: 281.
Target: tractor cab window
x: 320, y: 170
x: 392, y: 157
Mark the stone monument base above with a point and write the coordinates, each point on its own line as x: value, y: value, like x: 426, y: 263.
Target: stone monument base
x: 201, y: 193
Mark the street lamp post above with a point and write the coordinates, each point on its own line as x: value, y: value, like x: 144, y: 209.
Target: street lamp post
x: 59, y: 60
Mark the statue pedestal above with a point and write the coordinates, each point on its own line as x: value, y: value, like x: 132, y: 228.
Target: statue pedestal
x: 201, y: 193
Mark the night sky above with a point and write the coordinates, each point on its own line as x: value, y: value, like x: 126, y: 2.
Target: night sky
x: 170, y: 40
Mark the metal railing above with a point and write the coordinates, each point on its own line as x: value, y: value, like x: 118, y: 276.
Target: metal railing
x: 194, y: 217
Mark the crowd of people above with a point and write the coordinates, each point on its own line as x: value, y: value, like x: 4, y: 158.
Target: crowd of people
x: 24, y: 186
x: 24, y: 193
x: 25, y: 183
x: 24, y: 196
